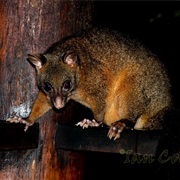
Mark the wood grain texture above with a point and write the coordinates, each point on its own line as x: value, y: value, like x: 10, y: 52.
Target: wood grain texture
x: 31, y: 26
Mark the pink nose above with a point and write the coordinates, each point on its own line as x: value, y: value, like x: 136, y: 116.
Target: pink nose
x: 58, y: 103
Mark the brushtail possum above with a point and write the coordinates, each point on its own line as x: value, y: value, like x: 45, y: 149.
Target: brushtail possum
x: 119, y: 79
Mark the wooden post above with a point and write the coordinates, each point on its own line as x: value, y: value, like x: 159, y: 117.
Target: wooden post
x: 30, y: 26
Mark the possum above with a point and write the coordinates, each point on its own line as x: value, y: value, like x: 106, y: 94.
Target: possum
x: 121, y: 81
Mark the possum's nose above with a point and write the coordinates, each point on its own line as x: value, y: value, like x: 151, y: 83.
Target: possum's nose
x: 58, y: 102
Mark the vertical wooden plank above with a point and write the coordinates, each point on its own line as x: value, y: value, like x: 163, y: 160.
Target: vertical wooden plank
x: 75, y: 16
x: 71, y: 165
x: 31, y: 26
x: 28, y: 27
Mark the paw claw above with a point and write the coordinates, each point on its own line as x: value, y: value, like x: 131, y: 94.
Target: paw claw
x: 84, y: 123
x: 115, y: 130
x: 16, y: 119
x: 88, y: 123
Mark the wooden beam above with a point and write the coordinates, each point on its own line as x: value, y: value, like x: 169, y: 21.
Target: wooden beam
x: 74, y: 138
x: 13, y: 136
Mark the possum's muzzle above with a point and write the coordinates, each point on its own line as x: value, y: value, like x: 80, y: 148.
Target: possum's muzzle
x: 59, y: 102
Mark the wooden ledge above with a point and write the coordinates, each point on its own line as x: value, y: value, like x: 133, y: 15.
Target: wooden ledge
x: 13, y: 136
x: 69, y: 137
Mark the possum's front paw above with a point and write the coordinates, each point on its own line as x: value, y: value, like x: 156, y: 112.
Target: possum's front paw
x: 88, y: 123
x: 115, y: 130
x: 16, y: 119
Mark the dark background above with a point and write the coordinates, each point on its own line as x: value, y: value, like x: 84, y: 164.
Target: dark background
x: 157, y: 25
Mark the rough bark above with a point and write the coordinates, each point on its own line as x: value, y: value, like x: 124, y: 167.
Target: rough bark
x: 30, y: 26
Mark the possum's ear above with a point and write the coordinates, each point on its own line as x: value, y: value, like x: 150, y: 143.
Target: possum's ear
x: 37, y: 60
x: 70, y: 58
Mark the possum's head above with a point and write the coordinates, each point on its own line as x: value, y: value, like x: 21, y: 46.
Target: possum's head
x: 56, y: 75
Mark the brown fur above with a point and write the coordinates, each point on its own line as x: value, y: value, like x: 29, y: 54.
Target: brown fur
x: 117, y: 78
x: 40, y: 106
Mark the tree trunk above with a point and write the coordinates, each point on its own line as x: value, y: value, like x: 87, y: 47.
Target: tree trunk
x: 30, y: 26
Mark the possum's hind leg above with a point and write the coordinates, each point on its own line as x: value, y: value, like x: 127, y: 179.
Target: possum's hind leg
x: 117, y: 127
x: 151, y: 121
x: 115, y: 130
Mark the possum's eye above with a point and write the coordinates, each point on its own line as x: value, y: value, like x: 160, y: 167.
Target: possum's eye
x: 67, y: 85
x: 47, y: 87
